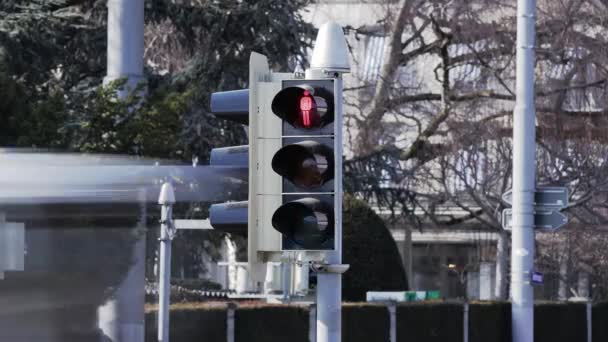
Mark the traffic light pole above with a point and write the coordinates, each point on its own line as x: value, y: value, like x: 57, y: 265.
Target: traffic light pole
x: 329, y: 280
x: 524, y: 149
x: 330, y: 60
x: 166, y: 199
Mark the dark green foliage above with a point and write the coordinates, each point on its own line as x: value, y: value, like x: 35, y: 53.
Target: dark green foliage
x: 369, y: 248
x: 365, y: 323
x: 429, y: 322
x: 196, y: 324
x: 53, y: 59
x: 560, y: 322
x: 599, y: 326
x: 490, y: 321
x: 272, y: 324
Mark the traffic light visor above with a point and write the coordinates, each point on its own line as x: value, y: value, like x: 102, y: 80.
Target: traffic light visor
x: 304, y: 106
x: 306, y: 164
x: 307, y: 222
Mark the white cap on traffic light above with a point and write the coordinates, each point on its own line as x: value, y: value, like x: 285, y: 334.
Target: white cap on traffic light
x: 330, y: 52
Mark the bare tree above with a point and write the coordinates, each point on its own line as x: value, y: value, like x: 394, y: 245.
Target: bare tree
x: 435, y: 132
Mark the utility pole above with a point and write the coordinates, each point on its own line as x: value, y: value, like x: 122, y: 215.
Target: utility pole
x: 167, y: 231
x: 125, y: 42
x: 524, y: 174
x: 122, y: 317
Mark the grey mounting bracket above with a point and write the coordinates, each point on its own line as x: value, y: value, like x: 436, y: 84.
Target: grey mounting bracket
x: 319, y: 267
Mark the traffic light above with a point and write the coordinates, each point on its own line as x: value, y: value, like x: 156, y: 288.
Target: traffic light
x: 248, y: 106
x: 305, y: 215
x: 230, y: 217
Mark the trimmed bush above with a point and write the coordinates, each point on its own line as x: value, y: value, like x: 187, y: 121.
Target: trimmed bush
x: 490, y: 321
x: 560, y: 322
x: 271, y: 323
x: 599, y: 322
x: 430, y: 322
x: 365, y: 323
x: 369, y: 248
x: 199, y: 323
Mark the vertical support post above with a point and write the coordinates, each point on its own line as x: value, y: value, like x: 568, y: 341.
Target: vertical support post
x: 465, y: 322
x: 122, y: 317
x: 485, y: 280
x: 589, y: 322
x: 562, y: 292
x: 230, y: 322
x: 407, y: 256
x: 500, y: 284
x: 312, y: 324
x: 301, y: 275
x: 524, y: 173
x: 125, y: 42
x: 285, y: 280
x: 2, y: 222
x: 166, y: 200
x: 392, y: 315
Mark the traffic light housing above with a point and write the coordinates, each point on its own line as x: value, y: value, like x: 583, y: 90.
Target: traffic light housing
x: 305, y: 161
x: 291, y: 165
x: 230, y: 217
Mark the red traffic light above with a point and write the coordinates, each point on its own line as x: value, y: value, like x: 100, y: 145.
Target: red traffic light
x: 304, y: 106
x: 308, y: 111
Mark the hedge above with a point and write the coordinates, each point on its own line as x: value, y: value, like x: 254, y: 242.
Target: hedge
x: 271, y: 323
x: 599, y: 322
x: 430, y: 322
x: 560, y: 322
x: 191, y: 323
x: 490, y: 321
x: 367, y: 243
x: 365, y: 323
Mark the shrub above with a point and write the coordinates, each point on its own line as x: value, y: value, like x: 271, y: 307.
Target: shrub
x: 557, y: 322
x: 271, y: 323
x: 369, y: 248
x: 490, y: 321
x: 430, y: 322
x: 365, y: 323
x: 196, y: 323
x: 599, y: 316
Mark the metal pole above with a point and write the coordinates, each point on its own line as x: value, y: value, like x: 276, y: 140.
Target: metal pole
x: 125, y: 50
x: 330, y: 60
x: 122, y: 317
x: 589, y: 322
x: 465, y: 322
x: 166, y: 200
x: 524, y: 147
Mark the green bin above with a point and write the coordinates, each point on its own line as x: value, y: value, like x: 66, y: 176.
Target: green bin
x: 432, y: 295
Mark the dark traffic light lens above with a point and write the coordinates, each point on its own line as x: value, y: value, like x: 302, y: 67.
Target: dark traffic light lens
x: 307, y: 222
x: 304, y: 107
x: 306, y: 164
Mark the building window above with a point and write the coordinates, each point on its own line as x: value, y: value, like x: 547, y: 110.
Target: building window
x: 373, y: 58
